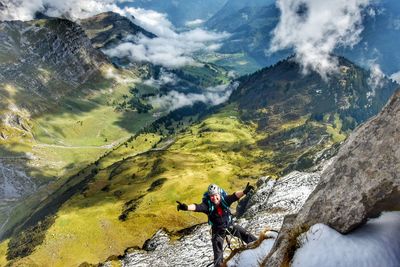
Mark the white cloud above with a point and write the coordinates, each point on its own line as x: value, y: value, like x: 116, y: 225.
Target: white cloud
x: 195, y: 22
x: 21, y: 10
x: 73, y: 9
x: 376, y: 78
x: 165, y: 77
x: 396, y: 77
x: 110, y: 73
x: 212, y: 96
x: 314, y: 28
x: 151, y: 20
x: 170, y: 50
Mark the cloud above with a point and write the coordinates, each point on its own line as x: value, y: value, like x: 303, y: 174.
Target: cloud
x: 314, y: 28
x: 171, y: 50
x: 73, y: 9
x: 212, y: 96
x: 110, y: 73
x: 396, y: 77
x: 376, y: 78
x: 20, y: 10
x: 165, y: 77
x: 151, y: 20
x: 195, y: 22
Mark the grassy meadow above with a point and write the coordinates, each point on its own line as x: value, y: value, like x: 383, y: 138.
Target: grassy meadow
x: 135, y: 187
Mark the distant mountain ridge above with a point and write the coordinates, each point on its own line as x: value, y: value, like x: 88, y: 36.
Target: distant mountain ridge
x: 51, y: 58
x: 350, y: 92
x: 107, y: 29
x: 325, y: 111
x: 252, y: 26
x: 180, y: 11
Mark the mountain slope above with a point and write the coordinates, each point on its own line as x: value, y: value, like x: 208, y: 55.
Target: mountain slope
x: 323, y: 111
x: 50, y: 57
x: 275, y: 122
x: 251, y: 29
x: 233, y: 7
x: 108, y: 29
x: 55, y: 89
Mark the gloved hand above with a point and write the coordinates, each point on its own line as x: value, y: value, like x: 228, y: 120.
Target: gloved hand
x: 248, y: 188
x: 181, y: 206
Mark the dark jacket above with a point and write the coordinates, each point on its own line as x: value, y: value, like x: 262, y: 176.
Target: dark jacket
x: 218, y: 222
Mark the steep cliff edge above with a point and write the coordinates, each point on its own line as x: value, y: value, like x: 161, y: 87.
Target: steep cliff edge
x: 362, y: 182
x: 266, y: 209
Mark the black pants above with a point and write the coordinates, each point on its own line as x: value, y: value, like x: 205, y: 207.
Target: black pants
x: 218, y: 236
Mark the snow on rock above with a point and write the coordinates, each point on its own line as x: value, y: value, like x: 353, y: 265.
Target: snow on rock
x: 265, y: 210
x: 253, y: 257
x: 362, y: 182
x: 377, y: 243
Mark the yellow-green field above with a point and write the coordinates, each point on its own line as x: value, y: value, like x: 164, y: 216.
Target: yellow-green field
x: 134, y: 192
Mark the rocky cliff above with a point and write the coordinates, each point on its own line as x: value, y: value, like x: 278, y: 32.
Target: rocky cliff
x: 265, y: 210
x: 357, y: 184
x: 362, y: 182
x: 43, y: 60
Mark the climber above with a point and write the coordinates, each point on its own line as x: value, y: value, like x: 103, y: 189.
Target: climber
x: 216, y: 205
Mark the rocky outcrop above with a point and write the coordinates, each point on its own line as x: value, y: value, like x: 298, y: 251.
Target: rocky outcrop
x: 15, y: 184
x: 362, y: 181
x: 265, y: 209
x: 43, y: 60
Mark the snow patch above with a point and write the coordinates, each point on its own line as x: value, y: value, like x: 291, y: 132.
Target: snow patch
x: 377, y: 243
x: 254, y: 257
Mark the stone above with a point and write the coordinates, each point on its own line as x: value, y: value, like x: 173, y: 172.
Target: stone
x: 361, y: 182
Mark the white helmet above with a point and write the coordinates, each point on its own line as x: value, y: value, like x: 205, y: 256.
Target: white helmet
x: 213, y: 189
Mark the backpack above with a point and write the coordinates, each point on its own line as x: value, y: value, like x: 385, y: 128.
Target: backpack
x: 206, y: 200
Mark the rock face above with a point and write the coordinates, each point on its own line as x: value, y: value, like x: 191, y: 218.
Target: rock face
x: 14, y: 185
x: 266, y: 209
x: 363, y: 181
x: 43, y: 60
x: 276, y: 198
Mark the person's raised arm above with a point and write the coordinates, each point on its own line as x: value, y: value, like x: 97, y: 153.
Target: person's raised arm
x: 240, y: 194
x: 183, y: 206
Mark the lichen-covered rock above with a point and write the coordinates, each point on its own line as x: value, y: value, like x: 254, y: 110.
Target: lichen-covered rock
x: 266, y: 208
x: 363, y: 181
x: 191, y: 250
x: 276, y: 198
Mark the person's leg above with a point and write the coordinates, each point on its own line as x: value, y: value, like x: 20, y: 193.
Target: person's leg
x: 244, y: 235
x: 218, y: 247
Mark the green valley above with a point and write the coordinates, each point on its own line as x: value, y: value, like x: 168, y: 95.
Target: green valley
x: 129, y: 193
